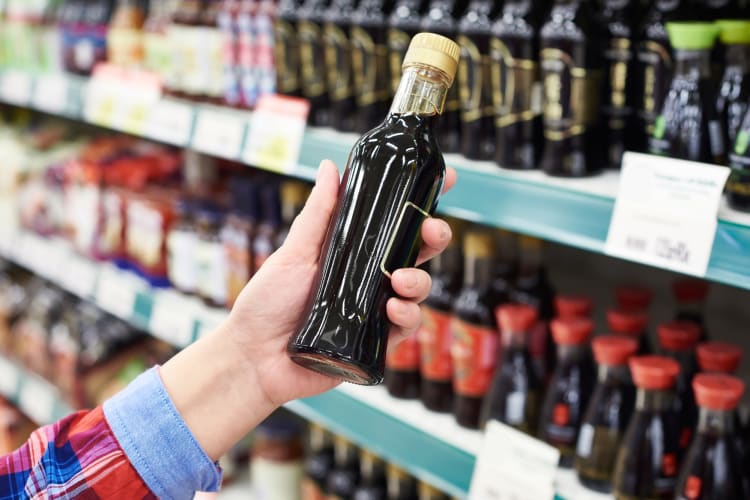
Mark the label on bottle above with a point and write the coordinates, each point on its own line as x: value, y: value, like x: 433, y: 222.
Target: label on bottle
x: 559, y: 431
x: 368, y: 57
x: 398, y: 43
x: 211, y: 266
x: 287, y: 57
x: 657, y: 65
x: 516, y: 89
x: 145, y: 234
x: 474, y: 351
x: 571, y: 93
x: 338, y: 62
x: 157, y: 54
x: 434, y: 338
x: 585, y: 440
x: 312, y: 61
x: 213, y: 47
x: 474, y: 80
x: 239, y: 261
x: 311, y: 490
x: 125, y: 46
x: 403, y: 356
x: 618, y: 56
x: 693, y: 487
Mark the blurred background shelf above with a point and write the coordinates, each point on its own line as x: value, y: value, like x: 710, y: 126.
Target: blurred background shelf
x: 32, y: 394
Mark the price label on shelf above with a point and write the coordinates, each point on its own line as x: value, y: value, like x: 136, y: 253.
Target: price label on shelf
x: 665, y: 213
x: 219, y: 133
x: 171, y: 122
x: 503, y: 465
x: 116, y: 291
x: 37, y: 399
x: 275, y: 135
x: 51, y: 93
x: 9, y: 378
x: 16, y: 87
x: 171, y: 318
x: 79, y: 275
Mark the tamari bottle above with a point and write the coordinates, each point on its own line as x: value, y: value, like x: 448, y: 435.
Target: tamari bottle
x: 343, y: 478
x: 474, y: 346
x: 607, y: 414
x: 516, y: 84
x: 718, y: 357
x: 648, y: 458
x: 690, y: 296
x: 372, y: 484
x: 286, y: 49
x: 570, y: 387
x: 391, y: 183
x: 515, y: 393
x: 313, y: 61
x: 402, y: 377
x: 318, y: 463
x: 630, y: 324
x: 572, y: 69
x: 474, y: 82
x: 734, y: 88
x: 713, y: 467
x: 338, y: 59
x: 403, y: 24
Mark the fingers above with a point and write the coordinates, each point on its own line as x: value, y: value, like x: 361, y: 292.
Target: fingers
x: 309, y: 228
x: 413, y: 284
x: 404, y: 314
x: 450, y: 179
x: 436, y: 234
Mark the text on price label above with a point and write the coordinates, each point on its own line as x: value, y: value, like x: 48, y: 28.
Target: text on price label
x: 219, y: 133
x: 665, y: 213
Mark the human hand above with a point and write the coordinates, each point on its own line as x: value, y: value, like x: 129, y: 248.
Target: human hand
x: 268, y: 310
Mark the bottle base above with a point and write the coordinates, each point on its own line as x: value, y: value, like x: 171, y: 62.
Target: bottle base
x: 595, y: 484
x: 334, y: 365
x: 437, y: 396
x: 402, y: 384
x: 467, y: 411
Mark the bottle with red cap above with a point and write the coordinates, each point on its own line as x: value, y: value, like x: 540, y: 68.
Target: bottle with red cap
x: 633, y: 298
x: 648, y: 459
x: 516, y: 389
x: 718, y: 357
x: 475, y: 341
x: 607, y: 414
x: 690, y: 295
x: 678, y: 340
x: 573, y: 306
x: 630, y: 323
x: 570, y: 387
x: 713, y: 467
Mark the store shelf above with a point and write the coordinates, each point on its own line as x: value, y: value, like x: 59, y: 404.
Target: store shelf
x: 574, y: 212
x: 32, y: 394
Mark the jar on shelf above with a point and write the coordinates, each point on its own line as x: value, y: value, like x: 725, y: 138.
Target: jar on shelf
x: 210, y: 257
x: 182, y: 243
x: 276, y: 466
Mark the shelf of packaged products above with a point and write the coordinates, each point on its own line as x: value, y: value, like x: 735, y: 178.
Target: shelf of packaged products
x: 32, y: 394
x: 574, y: 212
x: 430, y: 446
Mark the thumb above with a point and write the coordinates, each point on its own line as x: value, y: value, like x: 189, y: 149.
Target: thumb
x: 309, y: 228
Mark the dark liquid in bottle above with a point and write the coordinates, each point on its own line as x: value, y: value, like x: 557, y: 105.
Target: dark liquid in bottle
x: 286, y: 49
x: 738, y: 185
x: 338, y: 57
x: 516, y: 85
x: 317, y: 466
x: 734, y: 92
x: 313, y: 61
x: 402, y: 369
x: 403, y: 24
x: 342, y: 480
x: 572, y: 70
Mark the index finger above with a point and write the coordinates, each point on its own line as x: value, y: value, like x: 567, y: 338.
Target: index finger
x: 450, y: 179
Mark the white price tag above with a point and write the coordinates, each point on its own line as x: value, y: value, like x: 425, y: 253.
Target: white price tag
x: 503, y: 465
x: 665, y: 213
x: 9, y: 376
x: 170, y: 122
x: 275, y: 135
x: 219, y: 133
x: 116, y: 291
x: 79, y: 275
x: 51, y: 93
x: 38, y: 400
x: 173, y: 317
x: 16, y: 87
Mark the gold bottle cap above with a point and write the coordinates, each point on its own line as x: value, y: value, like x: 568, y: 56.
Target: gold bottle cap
x: 478, y: 244
x: 434, y: 50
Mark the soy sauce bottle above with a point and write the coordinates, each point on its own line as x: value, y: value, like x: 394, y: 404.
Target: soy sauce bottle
x: 286, y: 49
x: 631, y: 324
x: 690, y: 296
x: 391, y: 183
x: 516, y: 84
x: 619, y: 20
x: 441, y: 18
x: 738, y: 185
x: 573, y: 306
x: 402, y: 377
x: 687, y: 126
x: 338, y: 59
x: 474, y: 81
x: 734, y: 89
x: 607, y: 414
x: 372, y: 484
x: 713, y: 467
x: 370, y: 66
x: 516, y: 390
x: 506, y: 265
x: 313, y: 78
x: 474, y: 346
x: 342, y: 480
x: 572, y: 71
x: 434, y: 336
x: 633, y: 298
x: 318, y: 463
x: 570, y: 387
x: 403, y: 24
x: 718, y: 357
x: 647, y: 461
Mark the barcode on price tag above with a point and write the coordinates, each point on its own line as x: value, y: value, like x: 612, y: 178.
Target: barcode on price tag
x: 38, y: 400
x: 9, y: 377
x: 275, y: 135
x: 219, y: 133
x: 51, y: 93
x: 173, y: 318
x: 79, y: 275
x: 665, y: 213
x: 171, y: 122
x: 116, y: 291
x: 16, y: 87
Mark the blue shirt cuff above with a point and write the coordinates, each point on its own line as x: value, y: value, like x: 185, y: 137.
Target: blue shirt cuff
x: 157, y: 441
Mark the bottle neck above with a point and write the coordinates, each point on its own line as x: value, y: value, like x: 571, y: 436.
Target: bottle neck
x: 716, y: 421
x: 477, y: 271
x: 422, y: 91
x: 653, y: 400
x: 570, y: 353
x: 693, y: 64
x: 738, y: 58
x: 613, y: 373
x: 514, y: 339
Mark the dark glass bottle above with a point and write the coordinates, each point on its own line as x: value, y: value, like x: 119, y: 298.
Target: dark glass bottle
x: 237, y: 236
x: 718, y: 357
x: 338, y: 58
x: 474, y: 82
x: 738, y: 185
x: 515, y: 393
x: 633, y: 298
x: 572, y: 69
x: 403, y: 24
x: 607, y: 414
x: 286, y: 49
x: 570, y: 387
x: 434, y: 336
x: 632, y: 324
x: 441, y: 18
x: 647, y: 461
x: 318, y: 463
x: 402, y: 378
x: 474, y: 331
x: 372, y: 484
x: 401, y: 486
x: 734, y: 89
x: 312, y: 60
x: 293, y: 197
x: 687, y: 126
x: 516, y: 84
x: 617, y: 101
x: 678, y: 339
x: 370, y: 65
x: 264, y: 243
x: 391, y: 183
x: 574, y: 306
x: 713, y: 467
x: 690, y: 296
x: 506, y: 265
x: 342, y: 480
